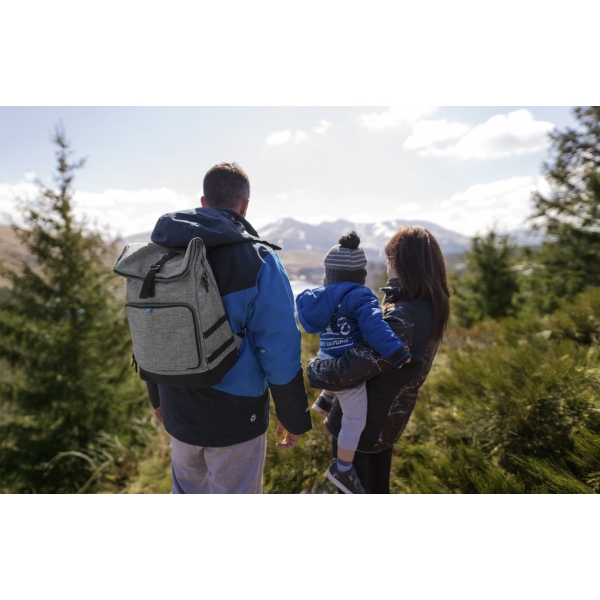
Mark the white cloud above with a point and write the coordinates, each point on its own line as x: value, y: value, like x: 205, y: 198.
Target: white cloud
x: 323, y: 127
x: 427, y: 133
x: 277, y: 138
x: 9, y: 193
x: 299, y: 136
x: 124, y: 212
x: 130, y: 211
x: 544, y: 187
x: 283, y: 137
x: 506, y: 202
x: 410, y: 209
x: 500, y: 136
x: 396, y: 116
x: 498, y: 193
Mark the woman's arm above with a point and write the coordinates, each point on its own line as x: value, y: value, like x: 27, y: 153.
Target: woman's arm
x: 375, y: 331
x: 361, y: 362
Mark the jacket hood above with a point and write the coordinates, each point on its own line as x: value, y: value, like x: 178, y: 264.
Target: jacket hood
x: 216, y: 227
x: 316, y: 307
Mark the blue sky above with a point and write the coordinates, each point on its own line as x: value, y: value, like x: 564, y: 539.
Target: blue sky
x: 464, y: 168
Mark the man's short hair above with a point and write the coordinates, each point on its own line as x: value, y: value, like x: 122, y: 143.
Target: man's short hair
x: 226, y: 186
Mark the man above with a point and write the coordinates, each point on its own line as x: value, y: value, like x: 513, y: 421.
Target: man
x: 219, y: 433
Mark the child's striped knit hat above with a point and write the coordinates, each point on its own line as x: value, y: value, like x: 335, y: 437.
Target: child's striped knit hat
x: 346, y: 261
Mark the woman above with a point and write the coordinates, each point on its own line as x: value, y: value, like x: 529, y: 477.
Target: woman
x: 416, y: 306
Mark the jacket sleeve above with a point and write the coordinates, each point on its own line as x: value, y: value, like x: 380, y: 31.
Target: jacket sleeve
x: 361, y: 362
x: 277, y: 340
x: 376, y: 332
x: 300, y: 304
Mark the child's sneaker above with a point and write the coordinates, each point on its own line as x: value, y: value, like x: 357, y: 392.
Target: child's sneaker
x: 347, y: 481
x: 323, y: 405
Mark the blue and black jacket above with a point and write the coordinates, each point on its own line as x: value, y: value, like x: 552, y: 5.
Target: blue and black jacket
x: 259, y: 303
x: 343, y: 314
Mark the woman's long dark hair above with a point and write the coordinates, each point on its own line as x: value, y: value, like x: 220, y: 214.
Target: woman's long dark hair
x: 417, y: 259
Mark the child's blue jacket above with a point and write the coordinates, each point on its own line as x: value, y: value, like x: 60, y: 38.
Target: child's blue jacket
x: 357, y: 307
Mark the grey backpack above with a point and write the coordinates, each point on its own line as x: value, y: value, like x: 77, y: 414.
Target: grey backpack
x: 179, y: 329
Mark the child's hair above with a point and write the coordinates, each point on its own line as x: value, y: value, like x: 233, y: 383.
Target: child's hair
x: 419, y: 263
x: 346, y: 262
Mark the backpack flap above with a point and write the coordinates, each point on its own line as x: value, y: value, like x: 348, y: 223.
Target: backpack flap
x: 138, y: 261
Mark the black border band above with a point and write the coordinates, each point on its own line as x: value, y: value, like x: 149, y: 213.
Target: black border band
x: 194, y: 380
x: 219, y: 351
x: 214, y: 327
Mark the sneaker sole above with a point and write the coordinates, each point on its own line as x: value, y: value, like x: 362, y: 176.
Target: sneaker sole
x: 337, y: 483
x: 319, y: 410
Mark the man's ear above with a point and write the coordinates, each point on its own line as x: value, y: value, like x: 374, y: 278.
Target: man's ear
x: 203, y: 202
x: 244, y: 207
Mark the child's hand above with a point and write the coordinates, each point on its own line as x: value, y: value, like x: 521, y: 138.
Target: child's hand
x: 290, y: 440
x: 404, y: 363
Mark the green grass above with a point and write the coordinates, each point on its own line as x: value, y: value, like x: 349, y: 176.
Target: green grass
x: 509, y: 407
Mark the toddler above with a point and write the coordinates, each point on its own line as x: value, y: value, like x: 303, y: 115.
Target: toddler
x: 344, y: 312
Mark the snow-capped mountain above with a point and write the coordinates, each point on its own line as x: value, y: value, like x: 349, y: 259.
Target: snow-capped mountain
x: 291, y: 234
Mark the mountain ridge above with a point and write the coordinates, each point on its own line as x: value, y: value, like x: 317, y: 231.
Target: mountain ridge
x: 294, y: 235
x: 291, y: 234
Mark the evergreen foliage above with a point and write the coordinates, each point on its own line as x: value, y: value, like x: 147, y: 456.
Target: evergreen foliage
x: 570, y: 214
x: 301, y: 470
x: 517, y: 414
x: 574, y: 176
x: 488, y: 288
x: 512, y: 403
x: 64, y: 344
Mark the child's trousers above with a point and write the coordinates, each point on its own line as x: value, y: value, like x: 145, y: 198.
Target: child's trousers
x: 354, y: 412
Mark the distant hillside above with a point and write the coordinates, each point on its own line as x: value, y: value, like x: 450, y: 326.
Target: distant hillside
x: 295, y: 235
x: 291, y: 234
x: 304, y: 245
x: 9, y: 245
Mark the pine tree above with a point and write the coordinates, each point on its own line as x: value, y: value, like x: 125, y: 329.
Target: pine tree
x: 574, y: 176
x: 570, y: 214
x: 63, y: 344
x: 490, y: 283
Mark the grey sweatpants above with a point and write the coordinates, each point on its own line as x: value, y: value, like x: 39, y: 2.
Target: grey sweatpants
x: 354, y: 412
x: 236, y: 469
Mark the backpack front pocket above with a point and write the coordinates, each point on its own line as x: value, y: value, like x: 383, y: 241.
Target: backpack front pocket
x: 164, y: 336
